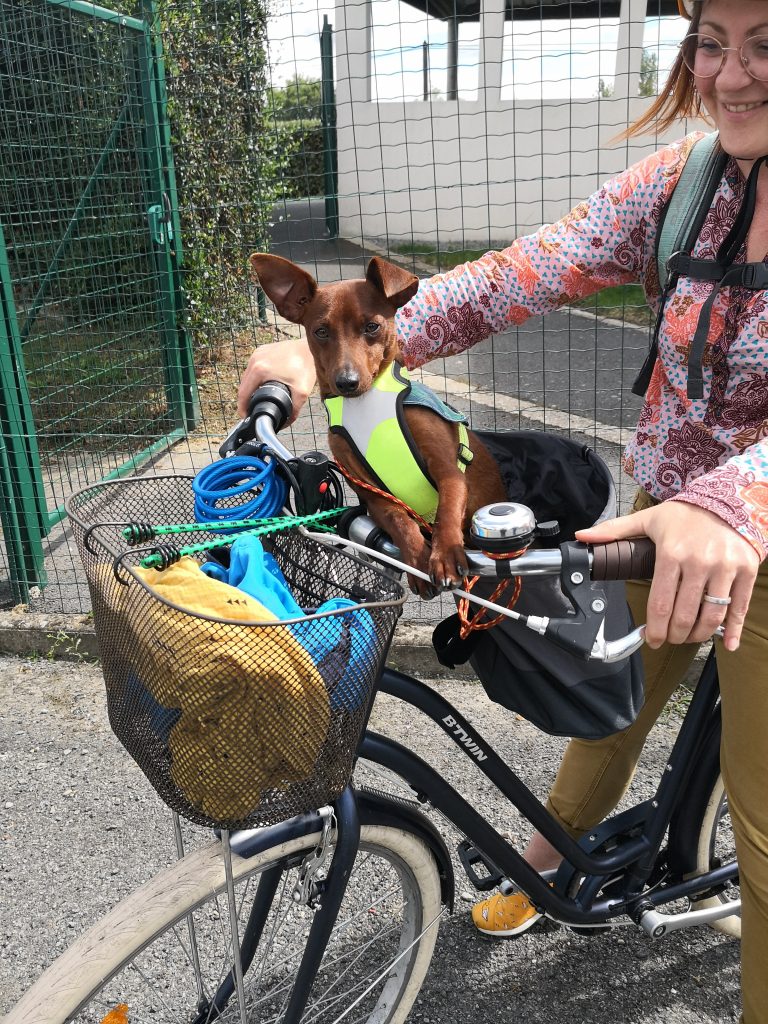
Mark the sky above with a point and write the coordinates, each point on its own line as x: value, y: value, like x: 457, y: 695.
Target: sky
x: 556, y: 60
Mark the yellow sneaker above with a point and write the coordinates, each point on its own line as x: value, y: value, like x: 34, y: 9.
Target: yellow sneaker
x: 501, y: 917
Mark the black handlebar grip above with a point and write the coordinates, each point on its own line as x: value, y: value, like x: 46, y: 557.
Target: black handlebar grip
x: 272, y: 399
x: 624, y: 560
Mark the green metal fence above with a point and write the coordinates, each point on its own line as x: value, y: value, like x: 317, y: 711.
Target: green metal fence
x: 427, y: 132
x: 96, y: 365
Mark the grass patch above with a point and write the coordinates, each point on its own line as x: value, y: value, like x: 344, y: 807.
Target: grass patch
x: 433, y: 256
x: 624, y: 302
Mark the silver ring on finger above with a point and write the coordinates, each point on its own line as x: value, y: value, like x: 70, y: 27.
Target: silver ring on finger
x: 711, y: 599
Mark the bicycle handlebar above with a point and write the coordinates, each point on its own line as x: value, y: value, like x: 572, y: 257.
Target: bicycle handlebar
x: 270, y: 408
x: 616, y: 560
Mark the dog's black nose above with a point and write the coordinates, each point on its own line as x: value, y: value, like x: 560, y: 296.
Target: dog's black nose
x: 347, y: 382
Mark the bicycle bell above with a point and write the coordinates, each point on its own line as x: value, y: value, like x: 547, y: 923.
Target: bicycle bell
x: 507, y: 526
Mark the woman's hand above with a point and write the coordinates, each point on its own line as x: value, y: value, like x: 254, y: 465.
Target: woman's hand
x: 287, y: 361
x: 697, y: 553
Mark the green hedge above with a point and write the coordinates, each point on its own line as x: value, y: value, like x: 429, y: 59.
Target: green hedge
x: 226, y: 155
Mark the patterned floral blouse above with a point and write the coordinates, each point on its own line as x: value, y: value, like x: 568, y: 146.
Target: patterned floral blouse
x: 711, y: 452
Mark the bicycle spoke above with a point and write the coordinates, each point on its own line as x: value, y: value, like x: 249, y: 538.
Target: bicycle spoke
x: 383, y: 974
x: 364, y: 972
x: 325, y: 1000
x: 150, y: 986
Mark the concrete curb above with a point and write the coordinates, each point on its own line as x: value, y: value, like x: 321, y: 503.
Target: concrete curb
x: 72, y: 638
x: 56, y: 636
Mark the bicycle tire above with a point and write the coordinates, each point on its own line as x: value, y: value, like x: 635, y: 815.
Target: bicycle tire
x: 700, y: 833
x: 715, y: 842
x: 131, y: 946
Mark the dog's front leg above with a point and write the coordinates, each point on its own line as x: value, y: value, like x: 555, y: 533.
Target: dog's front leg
x: 438, y: 442
x: 407, y: 535
x: 448, y: 560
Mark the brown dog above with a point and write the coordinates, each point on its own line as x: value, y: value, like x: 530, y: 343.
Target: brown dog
x: 351, y: 333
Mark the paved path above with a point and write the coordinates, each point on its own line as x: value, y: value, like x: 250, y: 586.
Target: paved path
x: 80, y: 827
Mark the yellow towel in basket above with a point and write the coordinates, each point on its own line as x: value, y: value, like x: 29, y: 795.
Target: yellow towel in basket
x: 254, y: 708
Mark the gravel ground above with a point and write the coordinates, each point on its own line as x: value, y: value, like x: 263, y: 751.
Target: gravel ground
x: 80, y: 827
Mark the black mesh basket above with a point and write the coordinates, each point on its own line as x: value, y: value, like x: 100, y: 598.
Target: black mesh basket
x: 235, y: 724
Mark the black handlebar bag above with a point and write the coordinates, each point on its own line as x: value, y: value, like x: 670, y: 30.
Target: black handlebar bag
x: 558, y: 691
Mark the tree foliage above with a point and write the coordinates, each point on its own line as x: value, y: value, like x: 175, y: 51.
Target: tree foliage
x: 649, y: 78
x: 295, y: 110
x: 649, y: 74
x: 226, y: 153
x: 298, y: 100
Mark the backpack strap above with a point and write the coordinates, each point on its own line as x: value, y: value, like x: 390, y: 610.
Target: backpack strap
x: 684, y: 214
x: 680, y: 225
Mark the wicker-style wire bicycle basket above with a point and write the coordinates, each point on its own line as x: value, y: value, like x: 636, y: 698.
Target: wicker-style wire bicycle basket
x: 235, y: 723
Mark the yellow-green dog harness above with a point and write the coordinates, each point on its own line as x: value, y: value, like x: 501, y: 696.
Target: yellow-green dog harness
x: 374, y: 426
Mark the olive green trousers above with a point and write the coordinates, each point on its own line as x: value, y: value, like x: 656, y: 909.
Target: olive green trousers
x: 595, y: 774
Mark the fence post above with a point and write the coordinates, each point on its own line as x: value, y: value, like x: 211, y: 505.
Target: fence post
x: 161, y: 176
x: 22, y: 496
x: 328, y: 121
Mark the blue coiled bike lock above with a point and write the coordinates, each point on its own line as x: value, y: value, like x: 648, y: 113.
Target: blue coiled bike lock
x: 218, y: 486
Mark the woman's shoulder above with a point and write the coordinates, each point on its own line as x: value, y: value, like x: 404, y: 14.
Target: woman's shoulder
x: 665, y: 165
x: 652, y: 178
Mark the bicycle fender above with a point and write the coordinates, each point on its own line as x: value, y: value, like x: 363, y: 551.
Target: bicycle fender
x: 373, y: 809
x: 380, y: 809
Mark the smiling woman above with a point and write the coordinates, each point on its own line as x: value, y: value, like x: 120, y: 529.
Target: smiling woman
x: 730, y: 69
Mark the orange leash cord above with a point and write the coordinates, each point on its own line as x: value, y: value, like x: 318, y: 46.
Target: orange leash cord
x: 384, y: 494
x: 476, y: 621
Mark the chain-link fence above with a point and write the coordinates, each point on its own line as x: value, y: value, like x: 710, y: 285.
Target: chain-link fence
x: 148, y: 149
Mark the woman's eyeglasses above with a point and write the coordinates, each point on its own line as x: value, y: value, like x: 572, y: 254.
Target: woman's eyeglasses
x: 704, y: 55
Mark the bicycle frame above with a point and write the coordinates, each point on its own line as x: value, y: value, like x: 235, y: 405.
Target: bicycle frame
x: 634, y: 837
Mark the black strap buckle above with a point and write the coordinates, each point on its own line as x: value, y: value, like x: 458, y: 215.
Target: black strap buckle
x: 755, y: 276
x: 465, y: 454
x: 678, y: 263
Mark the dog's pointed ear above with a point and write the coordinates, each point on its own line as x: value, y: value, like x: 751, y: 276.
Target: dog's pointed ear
x: 397, y: 285
x: 289, y: 287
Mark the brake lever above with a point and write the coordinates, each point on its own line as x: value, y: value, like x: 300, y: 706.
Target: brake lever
x: 616, y: 650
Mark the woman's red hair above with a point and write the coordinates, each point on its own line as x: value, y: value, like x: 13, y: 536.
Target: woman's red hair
x: 679, y: 98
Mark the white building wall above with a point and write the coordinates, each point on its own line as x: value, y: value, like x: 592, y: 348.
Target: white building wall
x: 482, y: 171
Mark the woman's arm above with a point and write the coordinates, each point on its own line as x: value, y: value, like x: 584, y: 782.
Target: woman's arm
x: 607, y: 240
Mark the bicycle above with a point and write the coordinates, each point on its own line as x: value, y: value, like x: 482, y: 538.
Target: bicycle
x: 335, y: 910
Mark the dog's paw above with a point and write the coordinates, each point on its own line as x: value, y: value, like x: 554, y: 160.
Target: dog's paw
x: 448, y: 566
x: 417, y: 555
x: 422, y: 588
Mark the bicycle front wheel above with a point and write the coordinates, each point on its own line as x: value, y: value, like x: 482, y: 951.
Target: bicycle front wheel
x: 144, y: 955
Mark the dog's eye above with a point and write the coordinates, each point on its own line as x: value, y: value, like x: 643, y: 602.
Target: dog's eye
x: 372, y: 327
x: 321, y: 333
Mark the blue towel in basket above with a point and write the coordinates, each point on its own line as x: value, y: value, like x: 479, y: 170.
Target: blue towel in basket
x: 341, y: 646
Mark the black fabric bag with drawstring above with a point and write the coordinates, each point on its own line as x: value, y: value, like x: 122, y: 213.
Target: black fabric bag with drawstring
x: 559, y: 692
